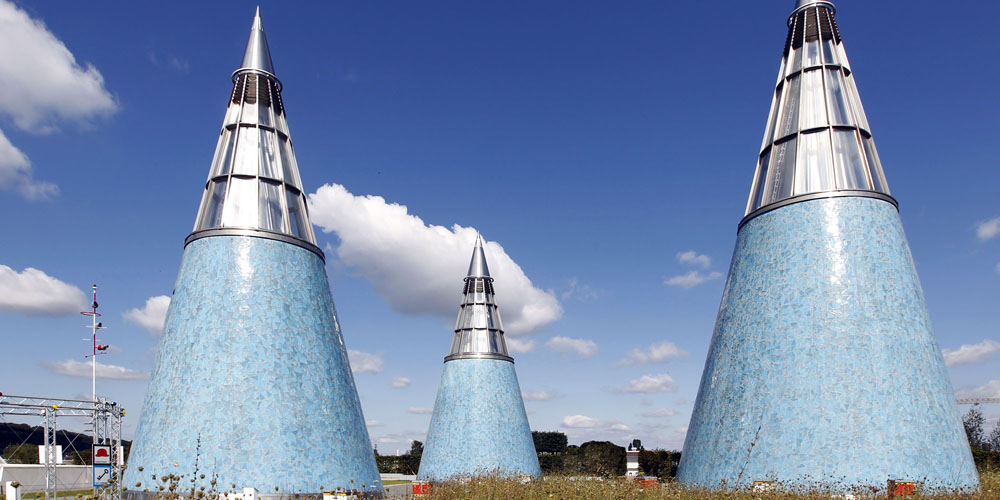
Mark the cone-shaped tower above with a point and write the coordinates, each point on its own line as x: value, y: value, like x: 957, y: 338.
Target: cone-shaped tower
x: 479, y: 426
x: 251, y: 386
x: 823, y: 369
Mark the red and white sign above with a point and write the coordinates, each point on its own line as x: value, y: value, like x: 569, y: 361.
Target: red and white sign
x: 102, y: 454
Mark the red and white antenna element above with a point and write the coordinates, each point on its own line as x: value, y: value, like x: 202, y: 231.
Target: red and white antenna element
x: 97, y: 349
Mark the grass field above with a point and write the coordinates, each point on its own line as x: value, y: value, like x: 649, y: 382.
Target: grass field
x: 561, y: 488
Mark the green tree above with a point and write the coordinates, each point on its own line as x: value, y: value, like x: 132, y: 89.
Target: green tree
x: 596, y: 458
x: 417, y: 448
x: 23, y: 454
x: 973, y: 422
x: 549, y: 442
x: 994, y: 438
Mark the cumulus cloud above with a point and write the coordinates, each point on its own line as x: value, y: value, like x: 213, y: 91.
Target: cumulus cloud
x: 990, y: 389
x: 516, y: 345
x: 34, y: 293
x: 971, y: 353
x: 648, y: 384
x: 692, y: 279
x: 579, y: 291
x: 583, y: 348
x: 363, y: 362
x: 580, y: 422
x: 693, y: 258
x: 417, y: 410
x: 373, y: 423
x: 537, y: 395
x: 152, y: 315
x: 655, y: 353
x: 17, y: 175
x: 83, y: 369
x: 42, y: 86
x: 400, y: 382
x: 989, y: 229
x: 619, y: 427
x: 389, y: 246
x: 662, y: 412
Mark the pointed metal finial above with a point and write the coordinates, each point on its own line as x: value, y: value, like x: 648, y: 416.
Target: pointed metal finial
x: 257, y: 56
x: 478, y: 267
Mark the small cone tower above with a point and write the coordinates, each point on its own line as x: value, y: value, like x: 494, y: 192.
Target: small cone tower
x: 252, y: 387
x: 479, y: 426
x: 823, y: 370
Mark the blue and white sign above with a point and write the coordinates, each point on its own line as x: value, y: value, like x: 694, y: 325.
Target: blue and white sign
x: 102, y: 475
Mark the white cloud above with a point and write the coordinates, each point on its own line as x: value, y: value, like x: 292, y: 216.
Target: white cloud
x: 83, y: 369
x: 579, y: 291
x: 417, y: 410
x: 363, y: 362
x: 389, y: 246
x: 662, y: 412
x: 579, y: 422
x: 516, y: 345
x: 400, y: 382
x: 693, y: 258
x: 152, y: 315
x: 990, y: 389
x: 34, y: 293
x: 537, y: 395
x: 971, y: 353
x: 648, y: 384
x: 583, y: 348
x: 16, y: 174
x: 988, y: 230
x: 692, y: 279
x: 373, y: 423
x: 619, y: 427
x: 655, y: 353
x: 43, y: 84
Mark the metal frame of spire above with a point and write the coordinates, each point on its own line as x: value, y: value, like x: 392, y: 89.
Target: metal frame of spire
x: 817, y: 142
x: 253, y: 186
x: 478, y: 329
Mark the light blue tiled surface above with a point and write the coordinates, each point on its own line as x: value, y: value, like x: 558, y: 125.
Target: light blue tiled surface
x: 251, y: 361
x: 823, y: 343
x: 479, y: 426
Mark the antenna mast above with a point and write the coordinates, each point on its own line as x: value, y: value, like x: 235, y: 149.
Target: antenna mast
x: 95, y: 347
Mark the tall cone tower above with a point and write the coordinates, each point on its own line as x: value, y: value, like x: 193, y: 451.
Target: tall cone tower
x: 823, y: 369
x: 251, y: 387
x: 479, y: 426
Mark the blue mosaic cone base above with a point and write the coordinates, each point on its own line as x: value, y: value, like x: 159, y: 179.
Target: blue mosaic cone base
x: 823, y: 363
x: 251, y: 385
x: 479, y: 426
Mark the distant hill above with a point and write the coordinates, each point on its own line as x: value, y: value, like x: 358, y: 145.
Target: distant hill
x: 76, y: 446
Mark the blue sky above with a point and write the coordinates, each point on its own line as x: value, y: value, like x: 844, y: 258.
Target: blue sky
x: 606, y: 148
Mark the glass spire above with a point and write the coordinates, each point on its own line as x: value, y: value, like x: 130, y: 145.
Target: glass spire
x: 478, y: 330
x: 253, y: 185
x: 817, y: 138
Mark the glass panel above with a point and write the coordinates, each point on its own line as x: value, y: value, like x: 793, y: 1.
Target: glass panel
x: 840, y: 111
x: 813, y: 112
x: 288, y: 166
x: 856, y: 103
x: 771, y: 118
x: 814, y: 169
x: 829, y: 51
x: 875, y: 166
x: 232, y: 114
x: 795, y: 57
x: 782, y: 171
x: 219, y: 149
x: 279, y: 123
x: 213, y: 211
x: 761, y: 182
x: 246, y: 152
x: 271, y: 215
x: 847, y: 158
x: 842, y: 56
x: 264, y: 114
x: 269, y: 154
x: 295, y: 218
x: 249, y: 112
x: 790, y: 108
x: 225, y: 163
x: 812, y: 53
x: 241, y: 204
